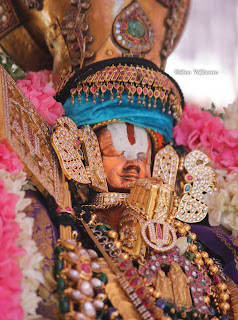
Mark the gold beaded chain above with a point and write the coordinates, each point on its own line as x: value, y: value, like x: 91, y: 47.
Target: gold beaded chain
x: 219, y: 292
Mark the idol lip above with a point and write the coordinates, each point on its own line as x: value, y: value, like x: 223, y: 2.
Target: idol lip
x: 130, y: 176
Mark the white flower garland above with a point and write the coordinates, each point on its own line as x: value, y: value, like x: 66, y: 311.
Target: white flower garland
x: 29, y: 263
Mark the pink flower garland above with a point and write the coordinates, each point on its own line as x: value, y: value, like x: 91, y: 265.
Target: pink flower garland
x: 39, y: 91
x: 201, y: 130
x: 10, y: 274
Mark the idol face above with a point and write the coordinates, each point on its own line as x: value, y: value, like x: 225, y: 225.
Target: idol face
x: 126, y: 154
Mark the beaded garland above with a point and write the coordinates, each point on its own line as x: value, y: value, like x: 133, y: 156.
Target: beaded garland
x: 210, y: 294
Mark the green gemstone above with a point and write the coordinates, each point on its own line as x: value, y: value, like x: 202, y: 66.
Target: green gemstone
x: 194, y: 313
x: 189, y: 239
x: 61, y: 284
x: 182, y: 314
x: 192, y: 256
x: 199, y: 246
x: 136, y: 28
x: 101, y: 228
x: 64, y: 305
x: 103, y: 277
x: 108, y: 227
x: 58, y: 250
x: 101, y: 316
x: 202, y: 283
x: 80, y: 152
x: 58, y: 266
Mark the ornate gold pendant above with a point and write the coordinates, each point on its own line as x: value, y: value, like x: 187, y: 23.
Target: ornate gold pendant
x: 158, y: 235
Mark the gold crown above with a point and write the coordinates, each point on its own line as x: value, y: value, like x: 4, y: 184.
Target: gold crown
x: 77, y: 33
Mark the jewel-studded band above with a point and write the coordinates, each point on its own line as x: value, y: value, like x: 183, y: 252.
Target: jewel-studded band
x: 146, y: 84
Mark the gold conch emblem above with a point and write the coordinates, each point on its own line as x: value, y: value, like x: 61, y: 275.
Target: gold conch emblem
x: 200, y: 180
x: 158, y: 235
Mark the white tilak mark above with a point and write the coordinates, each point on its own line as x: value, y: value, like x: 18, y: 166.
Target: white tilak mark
x: 120, y: 140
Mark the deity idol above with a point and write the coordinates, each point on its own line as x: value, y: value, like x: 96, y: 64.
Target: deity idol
x: 120, y: 194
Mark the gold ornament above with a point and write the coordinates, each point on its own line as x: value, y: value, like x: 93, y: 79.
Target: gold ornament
x: 193, y: 248
x: 124, y: 256
x: 213, y: 269
x: 209, y: 261
x: 193, y: 236
x: 67, y: 140
x: 224, y: 296
x: 207, y: 300
x: 117, y: 244
x: 225, y: 306
x: 204, y: 255
x: 166, y: 166
x: 182, y: 231
x: 112, y: 234
x: 221, y: 286
x: 200, y: 179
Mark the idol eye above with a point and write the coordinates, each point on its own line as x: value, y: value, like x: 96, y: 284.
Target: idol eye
x: 142, y: 156
x: 111, y: 152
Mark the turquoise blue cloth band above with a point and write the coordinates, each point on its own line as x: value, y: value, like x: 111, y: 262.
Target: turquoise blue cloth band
x: 89, y: 113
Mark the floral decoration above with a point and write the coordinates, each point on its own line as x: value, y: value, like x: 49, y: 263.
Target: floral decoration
x: 223, y: 204
x: 38, y: 87
x: 201, y: 130
x: 231, y: 116
x: 19, y: 260
x: 218, y: 138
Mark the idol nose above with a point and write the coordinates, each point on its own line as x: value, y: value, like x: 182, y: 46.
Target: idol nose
x: 132, y: 165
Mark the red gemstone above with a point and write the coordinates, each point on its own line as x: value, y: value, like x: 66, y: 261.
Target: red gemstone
x: 216, y: 278
x: 85, y: 268
x: 75, y: 46
x: 120, y: 89
x: 146, y: 301
x: 124, y: 264
x: 135, y: 41
x: 145, y: 91
x: 134, y: 282
x: 77, y: 143
x: 152, y: 311
x: 93, y: 89
x: 140, y: 291
x: 161, y: 94
x: 190, y: 178
x: 68, y: 208
x: 85, y: 89
x: 130, y: 272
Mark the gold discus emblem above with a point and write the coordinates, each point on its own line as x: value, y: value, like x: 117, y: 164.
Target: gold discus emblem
x: 158, y: 235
